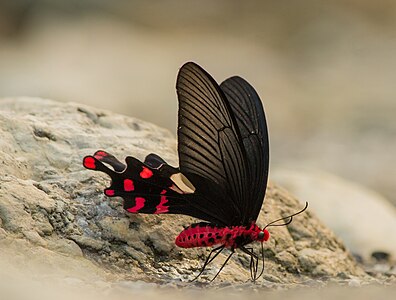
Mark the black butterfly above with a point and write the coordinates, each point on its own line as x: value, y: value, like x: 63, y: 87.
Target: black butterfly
x: 223, y: 153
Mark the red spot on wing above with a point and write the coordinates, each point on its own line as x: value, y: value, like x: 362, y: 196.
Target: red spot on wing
x: 109, y: 193
x: 175, y: 188
x: 146, y: 173
x: 161, y: 208
x: 128, y: 185
x: 100, y: 154
x: 89, y: 162
x: 139, y: 205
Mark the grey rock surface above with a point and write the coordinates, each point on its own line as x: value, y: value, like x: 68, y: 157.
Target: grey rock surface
x: 362, y: 218
x: 54, y: 216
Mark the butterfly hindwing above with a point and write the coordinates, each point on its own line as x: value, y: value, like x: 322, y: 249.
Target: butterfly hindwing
x: 249, y: 115
x: 143, y: 188
x: 110, y: 159
x: 148, y: 188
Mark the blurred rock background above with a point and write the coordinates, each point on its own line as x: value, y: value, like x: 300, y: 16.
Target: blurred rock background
x: 325, y: 70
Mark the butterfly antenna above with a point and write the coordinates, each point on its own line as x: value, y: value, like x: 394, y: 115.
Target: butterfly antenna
x: 285, y: 218
x: 272, y: 224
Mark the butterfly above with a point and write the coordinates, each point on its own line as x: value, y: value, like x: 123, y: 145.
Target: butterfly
x: 223, y: 150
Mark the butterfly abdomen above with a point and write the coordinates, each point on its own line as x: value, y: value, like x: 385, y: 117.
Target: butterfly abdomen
x: 207, y: 234
x: 200, y: 235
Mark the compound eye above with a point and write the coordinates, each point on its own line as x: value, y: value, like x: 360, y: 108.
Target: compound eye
x: 260, y: 236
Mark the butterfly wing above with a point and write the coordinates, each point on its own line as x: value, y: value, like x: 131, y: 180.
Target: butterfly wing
x: 249, y: 114
x: 147, y: 187
x: 218, y: 153
x: 211, y: 150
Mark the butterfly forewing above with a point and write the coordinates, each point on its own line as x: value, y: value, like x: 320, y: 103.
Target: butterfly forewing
x: 209, y: 143
x: 249, y: 114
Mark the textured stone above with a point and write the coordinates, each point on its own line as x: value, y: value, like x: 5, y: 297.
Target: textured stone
x: 64, y: 246
x: 51, y: 204
x: 3, y: 233
x: 88, y: 242
x: 359, y: 216
x: 35, y: 238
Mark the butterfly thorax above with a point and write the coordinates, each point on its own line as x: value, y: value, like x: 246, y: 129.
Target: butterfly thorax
x: 207, y: 234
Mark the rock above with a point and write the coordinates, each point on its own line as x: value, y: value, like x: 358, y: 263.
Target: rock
x: 55, y: 208
x: 33, y: 271
x: 35, y: 238
x: 23, y: 205
x: 363, y: 219
x: 87, y: 242
x: 64, y: 246
x: 3, y: 233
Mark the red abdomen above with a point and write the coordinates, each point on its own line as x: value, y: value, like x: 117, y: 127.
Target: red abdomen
x: 200, y: 235
x: 206, y: 235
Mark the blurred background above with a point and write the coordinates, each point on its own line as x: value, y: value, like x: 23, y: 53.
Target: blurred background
x: 325, y: 70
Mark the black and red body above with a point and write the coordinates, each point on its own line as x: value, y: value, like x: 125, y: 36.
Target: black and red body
x: 208, y: 235
x: 223, y: 152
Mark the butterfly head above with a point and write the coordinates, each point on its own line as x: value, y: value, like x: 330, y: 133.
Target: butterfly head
x: 263, y: 235
x: 255, y: 233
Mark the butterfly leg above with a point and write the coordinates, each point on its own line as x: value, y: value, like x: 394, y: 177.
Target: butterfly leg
x: 226, y: 261
x: 253, y: 262
x: 253, y: 265
x: 209, y: 260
